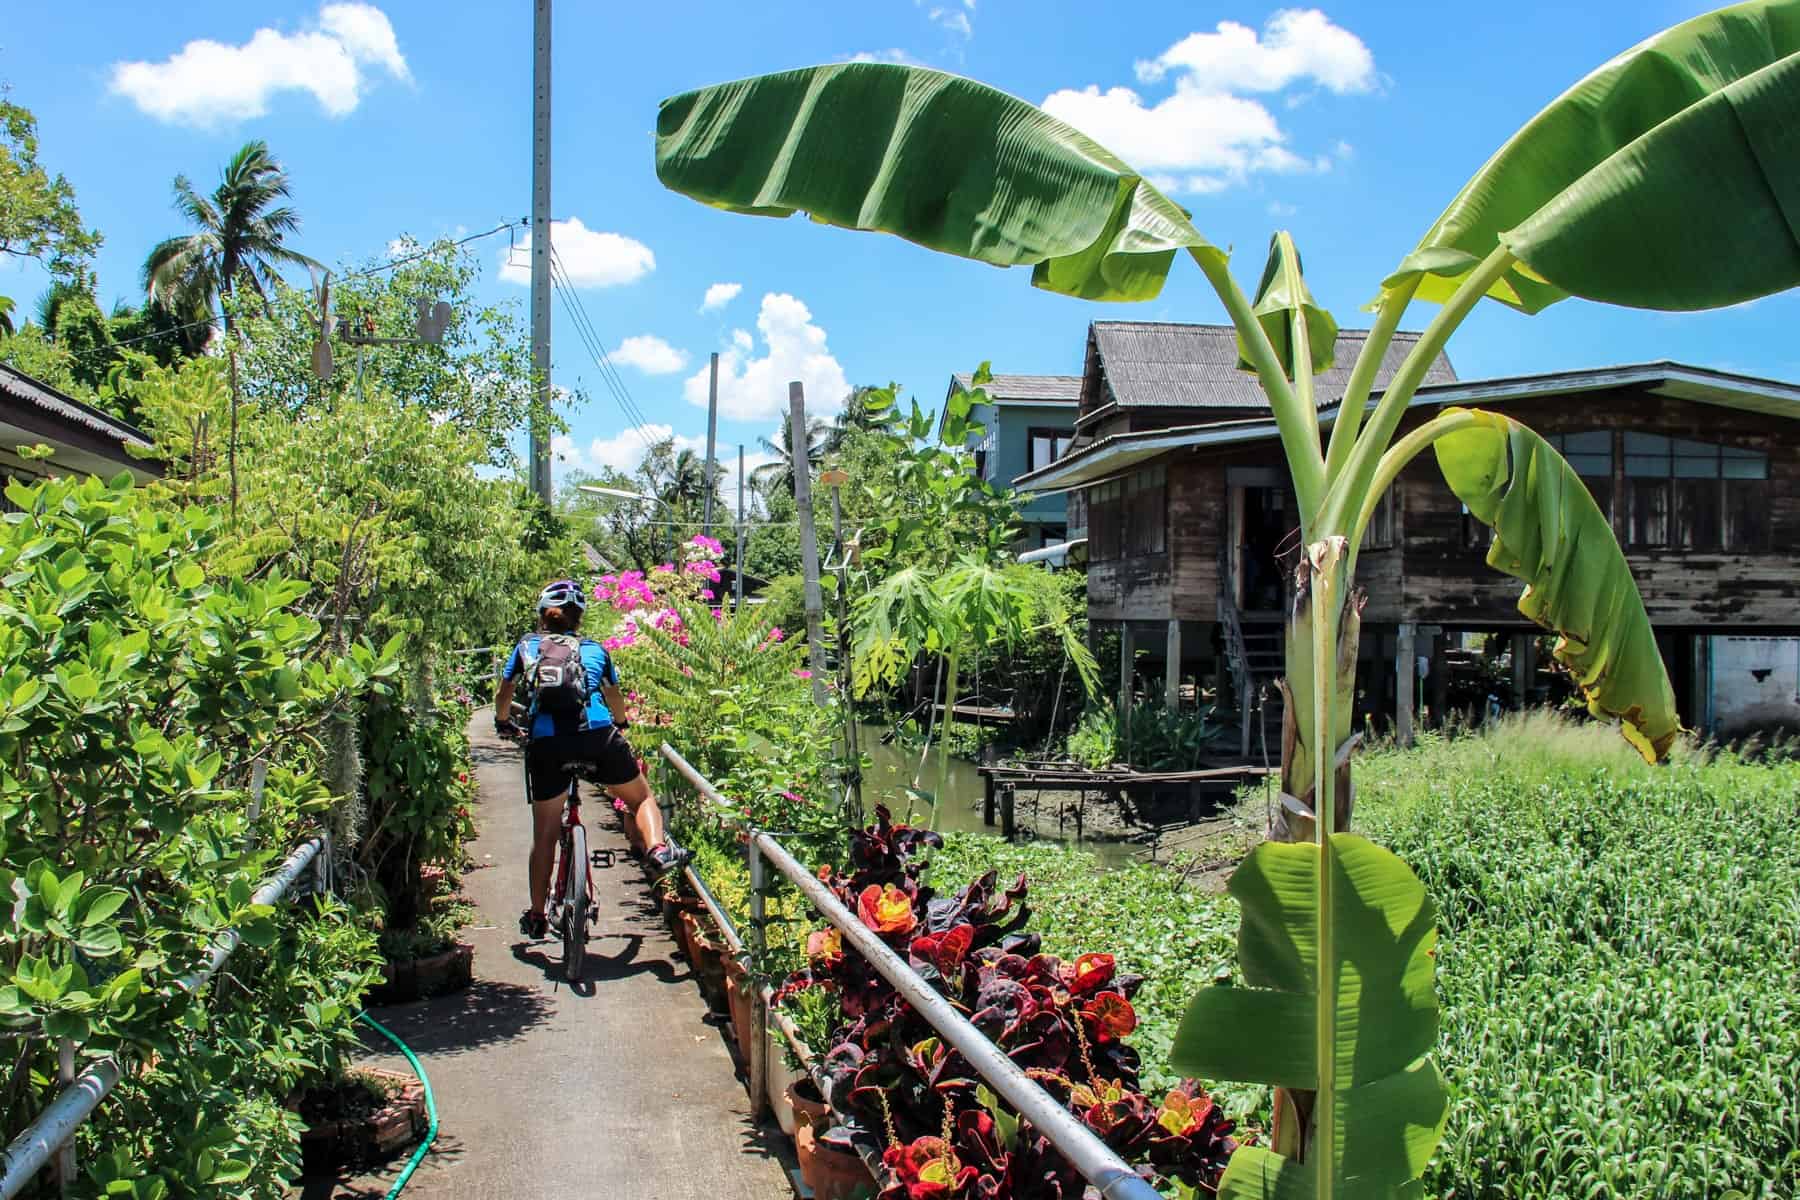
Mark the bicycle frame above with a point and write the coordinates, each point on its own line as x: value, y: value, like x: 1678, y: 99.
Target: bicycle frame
x: 571, y: 817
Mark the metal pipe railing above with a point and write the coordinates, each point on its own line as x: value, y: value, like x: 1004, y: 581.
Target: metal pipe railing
x: 32, y: 1150
x: 1097, y: 1162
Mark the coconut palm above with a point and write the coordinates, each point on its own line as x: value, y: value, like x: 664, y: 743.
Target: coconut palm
x: 779, y: 475
x: 239, y: 241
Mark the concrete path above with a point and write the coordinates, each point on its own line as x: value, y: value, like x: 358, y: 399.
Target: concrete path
x: 618, y: 1086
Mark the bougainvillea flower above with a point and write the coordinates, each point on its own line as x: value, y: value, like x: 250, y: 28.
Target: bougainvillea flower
x: 1092, y: 972
x: 803, y: 673
x: 886, y: 910
x: 825, y: 945
x: 1112, y: 1015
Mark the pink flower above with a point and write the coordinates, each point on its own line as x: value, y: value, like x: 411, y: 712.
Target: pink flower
x: 707, y: 594
x: 803, y: 674
x: 712, y: 546
x: 663, y: 569
x: 794, y: 798
x: 775, y: 634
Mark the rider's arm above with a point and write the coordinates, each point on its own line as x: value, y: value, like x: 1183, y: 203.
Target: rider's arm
x: 503, y: 702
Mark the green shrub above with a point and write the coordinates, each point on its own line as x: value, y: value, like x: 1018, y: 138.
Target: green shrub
x: 135, y: 692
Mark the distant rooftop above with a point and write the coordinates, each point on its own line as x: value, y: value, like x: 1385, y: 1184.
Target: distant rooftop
x: 1155, y: 364
x: 1025, y: 389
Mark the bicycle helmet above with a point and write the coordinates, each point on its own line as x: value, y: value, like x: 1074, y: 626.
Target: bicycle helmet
x: 560, y: 594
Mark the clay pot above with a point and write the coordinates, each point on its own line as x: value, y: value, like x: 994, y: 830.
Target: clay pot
x: 707, y: 962
x: 808, y: 1105
x: 737, y: 1000
x: 831, y: 1174
x: 437, y: 975
x: 370, y: 1139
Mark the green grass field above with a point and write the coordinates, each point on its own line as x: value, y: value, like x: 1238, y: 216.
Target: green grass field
x: 1619, y: 964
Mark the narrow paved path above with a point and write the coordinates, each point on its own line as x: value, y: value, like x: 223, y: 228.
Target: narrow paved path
x: 618, y: 1086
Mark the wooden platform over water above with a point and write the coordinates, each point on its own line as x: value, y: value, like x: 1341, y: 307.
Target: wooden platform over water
x: 1148, y: 799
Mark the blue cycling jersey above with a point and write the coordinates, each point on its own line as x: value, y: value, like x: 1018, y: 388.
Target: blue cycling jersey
x: 600, y: 670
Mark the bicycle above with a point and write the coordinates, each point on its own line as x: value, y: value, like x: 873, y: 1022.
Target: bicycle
x: 571, y: 909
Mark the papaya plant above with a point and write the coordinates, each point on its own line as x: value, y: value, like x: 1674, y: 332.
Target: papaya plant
x: 1662, y: 180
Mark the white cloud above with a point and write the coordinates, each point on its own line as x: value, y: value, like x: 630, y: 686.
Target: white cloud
x: 891, y: 55
x: 1207, y: 135
x: 591, y: 258
x: 623, y: 451
x: 649, y: 354
x: 719, y: 295
x: 949, y: 17
x: 210, y: 84
x: 1296, y: 45
x: 755, y: 389
x: 1278, y: 209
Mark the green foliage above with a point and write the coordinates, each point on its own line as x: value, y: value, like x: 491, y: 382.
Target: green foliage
x: 1373, y: 937
x: 784, y: 603
x: 136, y: 689
x: 37, y: 210
x: 1148, y: 737
x: 1549, y: 532
x: 416, y: 781
x: 478, y: 379
x: 1600, y: 194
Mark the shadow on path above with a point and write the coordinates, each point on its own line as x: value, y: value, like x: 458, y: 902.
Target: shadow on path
x: 486, y: 1013
x: 346, y: 1184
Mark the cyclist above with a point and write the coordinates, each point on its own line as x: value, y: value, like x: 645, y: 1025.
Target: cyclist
x: 574, y: 720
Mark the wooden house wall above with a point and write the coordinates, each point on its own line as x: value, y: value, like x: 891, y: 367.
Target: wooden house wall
x: 1429, y: 576
x: 1445, y: 582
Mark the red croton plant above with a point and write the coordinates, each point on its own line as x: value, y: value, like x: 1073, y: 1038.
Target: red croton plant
x: 893, y: 1083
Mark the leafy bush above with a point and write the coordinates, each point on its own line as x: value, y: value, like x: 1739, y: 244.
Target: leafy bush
x: 135, y: 692
x: 1149, y: 737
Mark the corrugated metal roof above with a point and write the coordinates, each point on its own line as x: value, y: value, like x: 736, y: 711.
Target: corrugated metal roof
x: 1026, y: 389
x: 1152, y: 364
x: 16, y: 387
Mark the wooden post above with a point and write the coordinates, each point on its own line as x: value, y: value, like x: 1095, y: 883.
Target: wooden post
x: 737, y: 568
x: 1008, y: 820
x: 1405, y: 672
x: 1521, y: 669
x: 809, y: 540
x: 1172, y: 668
x: 987, y: 799
x: 1127, y: 663
x: 1437, y: 680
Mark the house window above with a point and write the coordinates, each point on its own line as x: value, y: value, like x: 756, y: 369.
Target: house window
x: 1046, y: 446
x: 1144, y: 512
x: 1691, y: 495
x: 1381, y: 533
x: 1591, y: 454
x: 1128, y: 517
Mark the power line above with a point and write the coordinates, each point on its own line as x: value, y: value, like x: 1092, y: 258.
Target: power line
x: 590, y: 336
x: 363, y: 274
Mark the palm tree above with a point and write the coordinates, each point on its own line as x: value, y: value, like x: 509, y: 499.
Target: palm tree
x: 685, y: 483
x: 238, y: 243
x: 855, y: 418
x: 779, y: 474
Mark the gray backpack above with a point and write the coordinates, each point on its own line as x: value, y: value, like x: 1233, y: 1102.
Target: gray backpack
x: 558, y: 677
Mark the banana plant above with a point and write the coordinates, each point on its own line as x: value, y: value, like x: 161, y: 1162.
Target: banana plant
x: 1665, y: 179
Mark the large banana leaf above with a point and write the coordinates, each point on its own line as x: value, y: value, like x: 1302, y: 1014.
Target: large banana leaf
x: 1281, y: 296
x: 1549, y: 533
x: 1666, y: 179
x: 936, y: 159
x: 1389, y: 1103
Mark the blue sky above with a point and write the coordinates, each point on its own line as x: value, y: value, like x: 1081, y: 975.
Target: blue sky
x: 1350, y: 125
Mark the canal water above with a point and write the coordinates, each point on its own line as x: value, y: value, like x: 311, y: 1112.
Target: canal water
x: 960, y: 809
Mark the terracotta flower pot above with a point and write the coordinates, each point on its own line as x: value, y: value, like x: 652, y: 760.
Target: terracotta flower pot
x: 435, y: 975
x: 706, y: 960
x: 372, y: 1138
x: 737, y: 999
x: 809, y: 1107
x: 831, y: 1174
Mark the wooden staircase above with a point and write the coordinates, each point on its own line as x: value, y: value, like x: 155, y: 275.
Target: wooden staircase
x: 1255, y: 648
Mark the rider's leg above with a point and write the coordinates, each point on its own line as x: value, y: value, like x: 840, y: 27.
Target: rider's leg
x: 546, y: 828
x: 643, y: 813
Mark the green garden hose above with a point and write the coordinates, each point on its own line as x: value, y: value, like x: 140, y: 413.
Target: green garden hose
x: 431, y: 1131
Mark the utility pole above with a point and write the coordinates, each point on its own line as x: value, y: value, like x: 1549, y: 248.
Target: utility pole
x: 712, y: 436
x: 809, y: 539
x: 737, y: 578
x: 540, y: 249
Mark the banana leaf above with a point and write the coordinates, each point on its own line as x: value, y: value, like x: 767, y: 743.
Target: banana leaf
x: 936, y: 159
x: 1549, y: 533
x: 1281, y: 294
x: 1389, y: 1103
x: 1665, y: 179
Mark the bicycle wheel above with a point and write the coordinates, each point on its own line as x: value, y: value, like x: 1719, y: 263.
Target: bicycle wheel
x: 575, y: 904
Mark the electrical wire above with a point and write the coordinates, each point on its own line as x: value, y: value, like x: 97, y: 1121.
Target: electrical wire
x: 422, y: 252
x: 596, y: 347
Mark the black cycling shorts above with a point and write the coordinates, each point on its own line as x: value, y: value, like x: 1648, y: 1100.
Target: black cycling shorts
x: 601, y: 754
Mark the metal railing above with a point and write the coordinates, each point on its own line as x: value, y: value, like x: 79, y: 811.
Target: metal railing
x: 1096, y: 1161
x: 32, y: 1150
